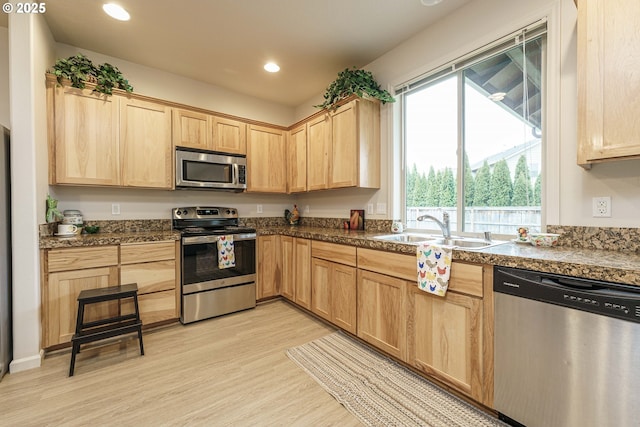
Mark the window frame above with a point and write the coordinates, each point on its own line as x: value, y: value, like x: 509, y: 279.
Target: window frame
x: 457, y: 67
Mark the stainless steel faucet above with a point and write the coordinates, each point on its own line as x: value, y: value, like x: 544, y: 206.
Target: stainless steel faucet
x: 444, y: 225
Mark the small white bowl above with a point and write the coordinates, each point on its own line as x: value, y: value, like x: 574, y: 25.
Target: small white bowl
x: 543, y: 239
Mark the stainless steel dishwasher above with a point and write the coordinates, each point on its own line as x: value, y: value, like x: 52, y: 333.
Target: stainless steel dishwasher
x: 567, y: 350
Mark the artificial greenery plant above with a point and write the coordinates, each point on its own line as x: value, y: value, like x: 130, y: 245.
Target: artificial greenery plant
x: 353, y: 82
x: 79, y: 69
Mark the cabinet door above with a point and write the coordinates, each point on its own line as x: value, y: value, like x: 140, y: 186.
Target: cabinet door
x: 84, y: 144
x: 321, y: 288
x: 344, y: 166
x: 302, y: 257
x: 287, y: 282
x: 229, y: 136
x: 266, y: 160
x: 445, y: 339
x: 191, y: 129
x: 154, y: 307
x: 269, y: 265
x: 343, y: 297
x: 297, y: 147
x: 61, y: 305
x: 382, y: 312
x: 150, y: 276
x: 608, y: 83
x: 145, y: 139
x: 319, y: 146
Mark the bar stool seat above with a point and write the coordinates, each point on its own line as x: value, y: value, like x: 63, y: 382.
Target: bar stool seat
x: 87, y: 332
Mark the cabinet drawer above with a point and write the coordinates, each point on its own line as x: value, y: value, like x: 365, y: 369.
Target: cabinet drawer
x: 80, y: 258
x: 144, y: 252
x: 150, y: 276
x: 154, y: 307
x: 465, y: 278
x: 389, y: 263
x: 341, y: 254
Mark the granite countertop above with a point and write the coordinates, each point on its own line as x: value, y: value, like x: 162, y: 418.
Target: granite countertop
x: 613, y: 266
x: 101, y: 239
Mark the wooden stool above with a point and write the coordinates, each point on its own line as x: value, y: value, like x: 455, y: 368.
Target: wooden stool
x: 109, y: 327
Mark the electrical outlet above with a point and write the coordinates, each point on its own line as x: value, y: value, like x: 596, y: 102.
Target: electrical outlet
x: 602, y: 207
x: 370, y: 208
x: 381, y: 208
x: 259, y: 208
x: 115, y: 209
x: 307, y: 209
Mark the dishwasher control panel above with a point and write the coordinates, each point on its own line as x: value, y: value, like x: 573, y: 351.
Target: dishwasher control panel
x: 605, y: 298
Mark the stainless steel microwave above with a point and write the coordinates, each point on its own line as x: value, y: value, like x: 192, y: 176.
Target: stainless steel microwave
x: 198, y: 169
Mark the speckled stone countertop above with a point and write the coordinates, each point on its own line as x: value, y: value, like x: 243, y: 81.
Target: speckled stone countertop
x: 100, y: 239
x: 613, y: 266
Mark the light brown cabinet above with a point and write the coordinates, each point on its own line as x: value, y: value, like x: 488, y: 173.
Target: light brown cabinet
x: 202, y: 131
x: 445, y: 339
x: 108, y: 140
x: 269, y: 271
x: 319, y: 149
x: 67, y: 273
x: 83, y: 137
x: 297, y: 159
x: 145, y: 143
x: 608, y: 83
x: 355, y: 145
x: 153, y: 267
x: 302, y: 275
x: 333, y: 284
x: 266, y: 160
x: 382, y: 312
x: 287, y: 281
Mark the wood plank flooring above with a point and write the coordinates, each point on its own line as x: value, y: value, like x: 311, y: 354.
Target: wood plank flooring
x: 227, y: 371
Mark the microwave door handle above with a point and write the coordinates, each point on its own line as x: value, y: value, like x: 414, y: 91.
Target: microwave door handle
x: 234, y: 177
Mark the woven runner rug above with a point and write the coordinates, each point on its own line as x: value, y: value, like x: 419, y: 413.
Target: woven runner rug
x: 379, y: 391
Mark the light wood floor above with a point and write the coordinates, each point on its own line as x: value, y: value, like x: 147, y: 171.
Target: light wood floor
x: 228, y: 371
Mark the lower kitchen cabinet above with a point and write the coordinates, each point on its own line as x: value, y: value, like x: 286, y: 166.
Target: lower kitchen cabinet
x: 67, y: 273
x: 382, y: 312
x: 269, y: 266
x: 153, y: 267
x: 445, y: 339
x: 295, y: 284
x: 333, y: 284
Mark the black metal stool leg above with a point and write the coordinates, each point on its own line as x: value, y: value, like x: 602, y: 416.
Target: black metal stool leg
x: 135, y: 303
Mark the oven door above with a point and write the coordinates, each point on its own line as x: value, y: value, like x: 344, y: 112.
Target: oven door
x: 200, y: 270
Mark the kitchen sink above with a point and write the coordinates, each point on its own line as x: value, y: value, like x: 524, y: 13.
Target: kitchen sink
x: 406, y: 237
x: 459, y: 242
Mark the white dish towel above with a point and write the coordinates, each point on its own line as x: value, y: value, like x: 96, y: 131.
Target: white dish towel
x: 226, y: 252
x: 434, y: 268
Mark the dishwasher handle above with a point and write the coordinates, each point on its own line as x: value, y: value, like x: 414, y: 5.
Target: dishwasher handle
x: 589, y: 289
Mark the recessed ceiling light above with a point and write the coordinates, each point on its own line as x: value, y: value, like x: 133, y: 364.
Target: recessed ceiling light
x: 430, y: 2
x: 115, y: 11
x: 498, y: 96
x: 271, y: 67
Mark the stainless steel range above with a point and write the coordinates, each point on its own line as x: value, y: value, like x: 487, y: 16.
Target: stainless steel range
x: 218, y: 270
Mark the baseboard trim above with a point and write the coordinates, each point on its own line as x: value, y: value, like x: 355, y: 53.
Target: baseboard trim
x: 26, y: 363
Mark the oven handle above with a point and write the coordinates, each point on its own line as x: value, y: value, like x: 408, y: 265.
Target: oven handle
x: 198, y: 240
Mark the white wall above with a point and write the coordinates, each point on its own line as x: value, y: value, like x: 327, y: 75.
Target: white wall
x: 4, y: 77
x: 30, y: 47
x: 175, y: 88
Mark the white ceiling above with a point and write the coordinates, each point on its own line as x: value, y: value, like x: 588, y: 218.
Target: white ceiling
x: 226, y: 42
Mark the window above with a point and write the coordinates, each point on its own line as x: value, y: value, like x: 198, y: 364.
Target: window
x: 473, y: 135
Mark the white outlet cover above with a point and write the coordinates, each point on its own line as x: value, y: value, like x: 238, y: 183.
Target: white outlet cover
x: 602, y: 207
x: 381, y: 208
x: 259, y: 209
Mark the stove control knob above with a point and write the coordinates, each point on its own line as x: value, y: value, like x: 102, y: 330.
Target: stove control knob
x: 178, y: 212
x: 233, y: 212
x: 228, y: 212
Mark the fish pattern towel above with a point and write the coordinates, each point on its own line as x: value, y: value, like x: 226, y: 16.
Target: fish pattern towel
x: 434, y: 268
x: 226, y: 252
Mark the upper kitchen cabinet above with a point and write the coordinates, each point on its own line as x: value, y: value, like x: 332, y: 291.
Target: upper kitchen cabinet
x: 202, y: 131
x: 266, y: 160
x: 608, y: 81
x: 319, y: 149
x: 355, y: 145
x: 297, y: 171
x: 83, y: 137
x: 102, y: 140
x: 145, y: 141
